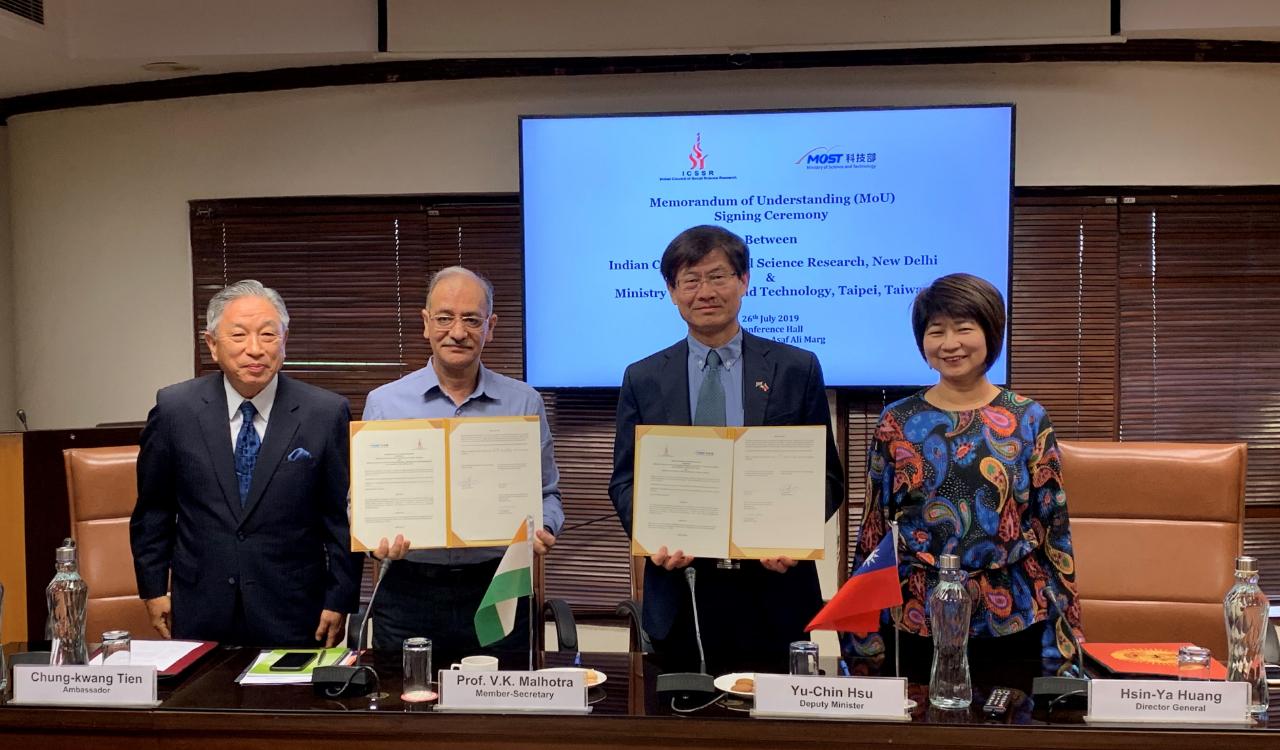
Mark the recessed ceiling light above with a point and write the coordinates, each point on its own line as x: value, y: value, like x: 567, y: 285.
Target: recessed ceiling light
x: 166, y: 66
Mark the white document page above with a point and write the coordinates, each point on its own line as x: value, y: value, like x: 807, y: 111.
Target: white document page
x: 495, y: 477
x: 681, y: 494
x: 398, y: 485
x: 158, y: 654
x: 779, y: 488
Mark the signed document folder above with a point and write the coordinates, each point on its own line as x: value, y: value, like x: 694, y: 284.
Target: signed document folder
x: 730, y: 492
x: 1144, y: 659
x: 444, y: 482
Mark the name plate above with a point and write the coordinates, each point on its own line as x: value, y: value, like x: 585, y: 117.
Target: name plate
x: 803, y: 696
x: 558, y: 692
x: 85, y: 686
x: 1188, y: 702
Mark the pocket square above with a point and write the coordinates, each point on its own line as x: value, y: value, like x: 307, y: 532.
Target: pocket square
x: 299, y: 454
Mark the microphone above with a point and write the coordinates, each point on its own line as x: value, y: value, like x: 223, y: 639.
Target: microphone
x: 368, y: 611
x: 22, y: 417
x: 341, y: 681
x: 690, y: 682
x: 1055, y: 688
x: 690, y: 575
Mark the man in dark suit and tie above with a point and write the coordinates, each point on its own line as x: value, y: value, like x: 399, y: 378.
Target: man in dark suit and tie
x: 749, y: 611
x: 242, y: 493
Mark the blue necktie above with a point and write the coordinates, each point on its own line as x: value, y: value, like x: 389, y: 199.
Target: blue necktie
x: 247, y: 445
x: 710, y: 409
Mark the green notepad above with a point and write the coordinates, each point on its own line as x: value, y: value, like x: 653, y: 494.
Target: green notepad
x: 328, y: 657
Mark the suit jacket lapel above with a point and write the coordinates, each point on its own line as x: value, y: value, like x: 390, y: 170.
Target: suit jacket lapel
x: 281, y: 428
x: 216, y: 430
x: 757, y: 379
x: 675, y: 384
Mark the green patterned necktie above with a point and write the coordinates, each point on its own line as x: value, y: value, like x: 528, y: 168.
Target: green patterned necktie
x: 711, y: 395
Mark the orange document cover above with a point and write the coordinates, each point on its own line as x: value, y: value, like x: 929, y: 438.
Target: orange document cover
x: 1145, y: 659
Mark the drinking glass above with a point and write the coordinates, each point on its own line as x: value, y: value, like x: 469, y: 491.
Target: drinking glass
x: 804, y: 657
x: 1193, y: 663
x: 416, y: 653
x: 117, y: 647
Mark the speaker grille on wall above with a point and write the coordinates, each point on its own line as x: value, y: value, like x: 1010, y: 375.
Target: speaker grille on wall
x: 32, y: 10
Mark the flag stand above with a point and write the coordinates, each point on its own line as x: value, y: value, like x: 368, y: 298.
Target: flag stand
x: 534, y: 593
x: 895, y: 614
x: 496, y: 617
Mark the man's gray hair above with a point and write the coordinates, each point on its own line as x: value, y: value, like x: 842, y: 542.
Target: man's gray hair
x: 246, y: 288
x: 451, y: 271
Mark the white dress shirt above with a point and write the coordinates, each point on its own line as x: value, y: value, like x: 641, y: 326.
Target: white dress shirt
x: 262, y: 402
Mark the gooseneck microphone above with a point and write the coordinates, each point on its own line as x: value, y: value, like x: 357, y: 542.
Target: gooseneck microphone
x: 368, y: 610
x: 1056, y: 688
x: 355, y: 680
x: 22, y: 417
x: 690, y: 575
x: 690, y: 682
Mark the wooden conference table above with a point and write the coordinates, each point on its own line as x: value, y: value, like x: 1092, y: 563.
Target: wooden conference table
x: 205, y: 708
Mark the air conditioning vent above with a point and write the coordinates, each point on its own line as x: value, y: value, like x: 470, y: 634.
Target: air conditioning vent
x: 32, y: 10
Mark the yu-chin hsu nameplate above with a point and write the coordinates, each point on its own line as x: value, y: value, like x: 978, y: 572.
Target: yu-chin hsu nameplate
x: 797, y: 696
x: 1165, y: 701
x: 552, y: 692
x: 85, y: 686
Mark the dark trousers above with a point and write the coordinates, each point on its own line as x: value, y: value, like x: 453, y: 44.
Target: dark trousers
x: 749, y: 618
x: 244, y: 631
x: 988, y: 657
x: 440, y: 603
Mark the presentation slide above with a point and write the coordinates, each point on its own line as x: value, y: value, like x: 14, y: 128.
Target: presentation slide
x: 846, y: 213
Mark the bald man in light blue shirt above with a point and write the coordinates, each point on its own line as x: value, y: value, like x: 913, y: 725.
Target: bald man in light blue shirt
x: 436, y: 592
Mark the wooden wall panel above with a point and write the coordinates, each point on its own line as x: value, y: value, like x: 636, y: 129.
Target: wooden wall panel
x: 13, y: 548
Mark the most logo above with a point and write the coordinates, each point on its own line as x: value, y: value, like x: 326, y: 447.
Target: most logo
x: 826, y: 157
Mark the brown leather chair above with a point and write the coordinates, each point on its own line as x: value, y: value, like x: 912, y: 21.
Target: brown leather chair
x: 1156, y: 528
x: 102, y: 487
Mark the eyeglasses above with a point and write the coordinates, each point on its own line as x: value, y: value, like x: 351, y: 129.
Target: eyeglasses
x: 716, y: 279
x: 445, y: 321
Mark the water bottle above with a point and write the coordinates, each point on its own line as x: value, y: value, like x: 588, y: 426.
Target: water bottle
x: 1245, y: 607
x: 949, y: 613
x: 67, y: 595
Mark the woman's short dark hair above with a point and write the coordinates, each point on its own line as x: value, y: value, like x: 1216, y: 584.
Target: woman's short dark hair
x: 695, y: 243
x: 962, y: 296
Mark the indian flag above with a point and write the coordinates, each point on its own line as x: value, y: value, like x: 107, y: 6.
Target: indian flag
x: 514, y: 578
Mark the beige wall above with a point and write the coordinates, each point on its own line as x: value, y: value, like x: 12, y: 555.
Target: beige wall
x: 102, y: 273
x: 7, y: 352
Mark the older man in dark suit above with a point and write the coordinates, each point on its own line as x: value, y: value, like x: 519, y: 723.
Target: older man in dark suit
x: 242, y: 493
x: 721, y: 375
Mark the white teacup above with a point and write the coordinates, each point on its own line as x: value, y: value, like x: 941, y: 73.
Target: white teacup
x: 476, y: 664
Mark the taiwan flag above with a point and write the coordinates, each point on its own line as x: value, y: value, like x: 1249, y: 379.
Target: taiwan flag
x: 874, y: 586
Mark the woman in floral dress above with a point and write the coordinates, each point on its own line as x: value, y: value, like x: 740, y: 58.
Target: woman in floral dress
x: 968, y: 468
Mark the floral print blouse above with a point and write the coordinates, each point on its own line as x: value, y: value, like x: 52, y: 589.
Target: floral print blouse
x: 984, y: 484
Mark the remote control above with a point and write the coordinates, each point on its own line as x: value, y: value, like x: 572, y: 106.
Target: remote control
x: 997, y: 703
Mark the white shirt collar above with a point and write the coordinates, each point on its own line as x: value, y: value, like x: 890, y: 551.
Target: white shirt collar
x: 263, y: 402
